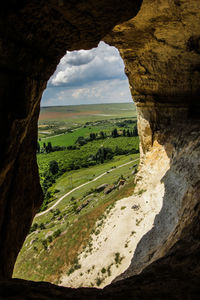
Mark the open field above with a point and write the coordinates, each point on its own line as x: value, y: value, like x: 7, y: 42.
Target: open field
x: 81, y: 112
x: 57, y: 120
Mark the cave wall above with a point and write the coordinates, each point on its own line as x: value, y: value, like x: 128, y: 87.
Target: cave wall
x: 160, y: 48
x: 34, y: 36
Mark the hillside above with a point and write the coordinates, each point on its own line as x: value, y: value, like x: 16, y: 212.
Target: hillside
x: 73, y: 165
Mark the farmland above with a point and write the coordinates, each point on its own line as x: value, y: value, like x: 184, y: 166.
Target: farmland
x: 83, y: 142
x: 58, y: 120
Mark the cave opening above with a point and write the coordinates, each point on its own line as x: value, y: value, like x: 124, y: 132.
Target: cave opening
x: 87, y: 137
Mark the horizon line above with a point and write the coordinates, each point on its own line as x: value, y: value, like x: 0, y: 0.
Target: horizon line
x: 87, y: 104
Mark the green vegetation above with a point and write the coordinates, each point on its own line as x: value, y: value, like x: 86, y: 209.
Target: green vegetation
x: 98, y: 281
x: 118, y: 259
x: 62, y: 251
x: 74, y: 267
x: 53, y: 164
x: 89, y: 146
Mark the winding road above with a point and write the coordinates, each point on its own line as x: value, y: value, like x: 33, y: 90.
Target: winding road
x: 80, y: 186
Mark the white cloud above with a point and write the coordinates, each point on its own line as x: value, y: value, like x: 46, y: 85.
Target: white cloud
x: 80, y: 67
x: 88, y: 76
x: 77, y: 58
x: 108, y: 91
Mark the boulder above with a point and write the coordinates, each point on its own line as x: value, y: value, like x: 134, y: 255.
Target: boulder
x: 101, y: 187
x: 109, y: 189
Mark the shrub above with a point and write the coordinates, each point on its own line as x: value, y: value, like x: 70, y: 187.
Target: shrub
x: 49, y: 239
x: 56, y: 233
x: 75, y: 267
x: 44, y: 243
x: 118, y: 259
x: 98, y: 281
x: 123, y: 207
x: 34, y: 227
x: 53, y: 167
x: 42, y: 226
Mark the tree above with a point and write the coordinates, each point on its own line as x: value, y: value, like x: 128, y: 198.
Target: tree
x: 42, y: 226
x: 49, y: 147
x: 135, y: 131
x: 103, y: 153
x: 81, y: 141
x: 102, y: 135
x: 53, y: 167
x: 44, y: 243
x: 128, y: 133
x: 115, y: 133
x: 92, y: 136
x: 38, y: 147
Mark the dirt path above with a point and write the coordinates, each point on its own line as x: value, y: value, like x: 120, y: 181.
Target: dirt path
x: 52, y: 136
x: 80, y: 186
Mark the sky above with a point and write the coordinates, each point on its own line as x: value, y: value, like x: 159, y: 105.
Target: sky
x: 88, y: 77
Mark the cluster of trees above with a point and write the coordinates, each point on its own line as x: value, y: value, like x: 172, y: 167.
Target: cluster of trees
x: 125, y: 123
x: 49, y: 178
x: 93, y: 136
x: 104, y: 154
x: 102, y: 135
x: 101, y: 155
x: 48, y: 148
x: 130, y: 133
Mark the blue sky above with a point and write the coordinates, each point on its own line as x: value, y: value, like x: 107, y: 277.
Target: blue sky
x: 88, y: 77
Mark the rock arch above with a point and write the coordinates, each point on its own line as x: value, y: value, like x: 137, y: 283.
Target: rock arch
x: 160, y: 48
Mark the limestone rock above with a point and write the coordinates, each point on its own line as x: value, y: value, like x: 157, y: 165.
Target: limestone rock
x: 84, y: 204
x: 160, y: 48
x: 109, y: 189
x: 34, y: 36
x: 101, y: 187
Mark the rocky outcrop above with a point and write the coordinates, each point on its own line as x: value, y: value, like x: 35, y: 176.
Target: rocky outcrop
x: 160, y: 50
x: 102, y: 187
x: 164, y: 176
x: 33, y: 38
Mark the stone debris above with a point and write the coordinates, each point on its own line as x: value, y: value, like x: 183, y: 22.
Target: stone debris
x: 136, y: 207
x: 101, y: 187
x: 109, y: 189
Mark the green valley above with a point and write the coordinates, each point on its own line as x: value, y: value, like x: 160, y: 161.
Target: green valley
x: 83, y: 172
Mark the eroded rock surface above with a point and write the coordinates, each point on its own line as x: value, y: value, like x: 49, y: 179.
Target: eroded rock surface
x: 34, y: 36
x: 160, y: 48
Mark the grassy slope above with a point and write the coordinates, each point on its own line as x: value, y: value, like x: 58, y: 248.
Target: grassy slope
x: 36, y: 263
x: 48, y: 265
